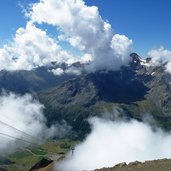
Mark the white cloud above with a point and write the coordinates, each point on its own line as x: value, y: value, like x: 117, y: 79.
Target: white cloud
x: 76, y: 23
x: 5, y: 61
x: 161, y: 56
x: 122, y: 47
x: 111, y: 143
x: 86, y: 58
x: 73, y: 71
x: 83, y: 28
x: 31, y: 47
x: 70, y: 71
x: 168, y: 67
x: 57, y: 71
x: 22, y: 117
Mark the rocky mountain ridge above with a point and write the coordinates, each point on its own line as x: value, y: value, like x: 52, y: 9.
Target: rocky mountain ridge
x: 134, y: 91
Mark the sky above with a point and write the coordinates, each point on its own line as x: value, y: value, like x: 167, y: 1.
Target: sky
x: 146, y: 22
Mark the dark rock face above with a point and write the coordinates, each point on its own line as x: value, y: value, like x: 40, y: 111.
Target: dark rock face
x: 119, y: 87
x: 41, y: 164
x: 135, y: 59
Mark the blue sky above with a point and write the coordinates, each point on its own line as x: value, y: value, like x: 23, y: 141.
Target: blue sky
x: 146, y: 22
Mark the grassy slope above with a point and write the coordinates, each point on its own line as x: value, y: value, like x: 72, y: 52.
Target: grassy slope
x: 26, y: 158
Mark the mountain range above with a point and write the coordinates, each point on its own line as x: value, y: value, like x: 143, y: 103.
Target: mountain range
x: 135, y: 91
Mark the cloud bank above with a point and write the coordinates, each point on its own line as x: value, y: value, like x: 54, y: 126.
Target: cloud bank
x: 22, y: 123
x: 83, y: 27
x: 111, y: 143
x: 77, y: 24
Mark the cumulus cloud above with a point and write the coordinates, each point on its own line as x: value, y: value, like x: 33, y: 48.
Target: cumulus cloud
x: 168, y: 67
x: 31, y: 47
x: 122, y: 46
x: 161, y: 56
x: 77, y: 24
x: 112, y: 142
x: 83, y: 27
x: 57, y: 71
x: 22, y: 123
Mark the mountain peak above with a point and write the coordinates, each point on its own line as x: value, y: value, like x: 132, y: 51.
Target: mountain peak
x: 138, y: 61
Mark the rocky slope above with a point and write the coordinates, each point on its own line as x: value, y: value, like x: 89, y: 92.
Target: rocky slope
x: 156, y: 165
